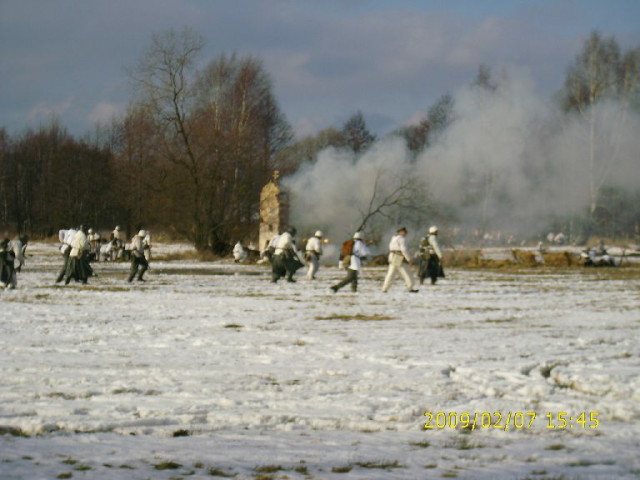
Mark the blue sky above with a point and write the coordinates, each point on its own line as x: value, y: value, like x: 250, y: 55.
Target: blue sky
x: 327, y: 58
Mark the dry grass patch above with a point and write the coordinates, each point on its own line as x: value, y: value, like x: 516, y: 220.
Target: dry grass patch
x: 167, y: 466
x: 358, y: 317
x: 343, y: 469
x: 380, y: 465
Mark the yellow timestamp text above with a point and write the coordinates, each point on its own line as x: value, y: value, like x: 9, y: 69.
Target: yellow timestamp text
x: 509, y: 420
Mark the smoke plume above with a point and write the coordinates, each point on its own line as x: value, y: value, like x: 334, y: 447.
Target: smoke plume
x: 509, y: 161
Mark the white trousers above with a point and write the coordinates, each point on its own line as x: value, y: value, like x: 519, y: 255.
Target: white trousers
x: 391, y: 273
x: 313, y: 267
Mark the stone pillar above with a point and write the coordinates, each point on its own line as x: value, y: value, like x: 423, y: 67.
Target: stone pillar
x: 274, y: 210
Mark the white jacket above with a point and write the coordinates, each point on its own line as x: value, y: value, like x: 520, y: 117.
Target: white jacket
x: 284, y: 242
x: 66, y: 237
x: 314, y: 244
x: 137, y: 246
x: 433, y: 244
x: 18, y: 250
x: 239, y: 252
x: 79, y: 244
x: 359, y: 250
x: 398, y: 246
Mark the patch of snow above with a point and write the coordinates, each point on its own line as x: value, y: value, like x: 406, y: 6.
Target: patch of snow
x: 209, y: 367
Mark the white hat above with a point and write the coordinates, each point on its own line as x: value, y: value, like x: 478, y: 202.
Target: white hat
x: 318, y: 233
x: 91, y: 230
x: 117, y: 227
x: 142, y: 233
x: 433, y: 229
x: 357, y: 236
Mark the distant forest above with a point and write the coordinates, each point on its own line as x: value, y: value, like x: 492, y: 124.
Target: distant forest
x: 196, y: 145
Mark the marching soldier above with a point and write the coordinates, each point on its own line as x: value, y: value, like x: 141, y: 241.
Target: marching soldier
x: 313, y: 252
x: 285, y: 260
x: 353, y: 260
x: 430, y: 257
x: 139, y: 263
x: 78, y: 264
x: 398, y: 256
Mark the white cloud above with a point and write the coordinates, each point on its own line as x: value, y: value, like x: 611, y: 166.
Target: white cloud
x: 327, y: 59
x: 104, y: 112
x: 45, y: 110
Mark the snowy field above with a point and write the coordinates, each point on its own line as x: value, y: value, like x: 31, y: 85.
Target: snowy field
x: 209, y: 370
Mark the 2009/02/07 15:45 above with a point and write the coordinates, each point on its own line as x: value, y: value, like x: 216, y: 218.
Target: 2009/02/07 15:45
x: 505, y: 420
x: 564, y: 420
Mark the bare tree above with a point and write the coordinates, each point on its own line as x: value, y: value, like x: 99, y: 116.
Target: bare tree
x: 400, y: 198
x: 219, y: 127
x: 601, y: 72
x: 165, y: 86
x: 243, y: 131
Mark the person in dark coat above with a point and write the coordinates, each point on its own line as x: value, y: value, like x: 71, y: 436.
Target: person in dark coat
x: 7, y: 270
x: 430, y: 257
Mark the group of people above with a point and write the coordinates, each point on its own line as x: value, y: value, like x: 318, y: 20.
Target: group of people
x: 116, y: 247
x: 80, y: 246
x: 12, y: 251
x: 281, y: 252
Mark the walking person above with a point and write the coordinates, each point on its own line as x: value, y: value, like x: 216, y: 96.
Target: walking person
x: 146, y: 242
x: 7, y: 265
x: 78, y: 265
x: 65, y: 237
x: 139, y: 263
x: 313, y: 252
x: 285, y: 259
x: 117, y: 243
x: 19, y: 247
x: 353, y: 261
x: 94, y: 243
x: 430, y: 257
x: 398, y: 256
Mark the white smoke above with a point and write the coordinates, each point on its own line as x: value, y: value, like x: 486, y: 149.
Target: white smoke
x: 333, y: 193
x: 509, y: 160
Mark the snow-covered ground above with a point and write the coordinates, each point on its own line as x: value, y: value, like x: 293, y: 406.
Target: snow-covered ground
x: 208, y: 369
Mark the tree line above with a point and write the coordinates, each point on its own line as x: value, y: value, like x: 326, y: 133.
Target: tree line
x: 197, y: 144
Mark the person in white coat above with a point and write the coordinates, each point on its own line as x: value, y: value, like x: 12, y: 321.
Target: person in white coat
x: 146, y: 242
x: 78, y: 266
x: 139, y: 263
x: 398, y: 256
x: 313, y: 252
x: 94, y: 243
x: 285, y: 259
x: 65, y: 237
x: 239, y: 253
x: 19, y: 247
x: 358, y: 252
x: 117, y: 243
